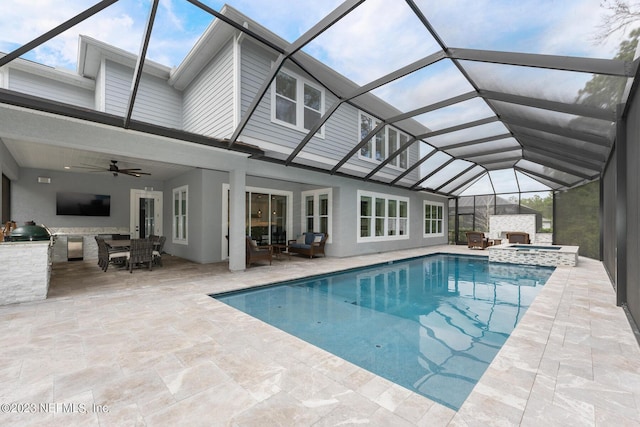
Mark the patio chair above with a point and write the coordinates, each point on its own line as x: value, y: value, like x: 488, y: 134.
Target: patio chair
x: 258, y: 253
x: 477, y: 240
x: 310, y: 244
x: 141, y: 252
x: 107, y: 256
x: 158, y: 249
x: 518, y: 237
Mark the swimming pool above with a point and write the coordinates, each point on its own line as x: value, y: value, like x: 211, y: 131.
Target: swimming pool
x: 431, y: 324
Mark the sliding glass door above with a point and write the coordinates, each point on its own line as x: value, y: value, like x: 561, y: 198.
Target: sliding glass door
x: 268, y: 217
x: 266, y: 220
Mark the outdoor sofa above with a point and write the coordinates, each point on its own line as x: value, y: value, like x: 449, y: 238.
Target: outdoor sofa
x: 309, y: 244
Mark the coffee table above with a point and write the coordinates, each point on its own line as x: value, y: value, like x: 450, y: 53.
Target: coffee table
x: 279, y: 249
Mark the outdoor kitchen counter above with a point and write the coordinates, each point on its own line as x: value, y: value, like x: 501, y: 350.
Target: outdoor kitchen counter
x: 25, y: 271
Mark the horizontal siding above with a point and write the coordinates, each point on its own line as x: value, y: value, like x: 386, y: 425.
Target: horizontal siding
x: 341, y: 130
x: 32, y: 84
x: 208, y: 101
x: 156, y: 102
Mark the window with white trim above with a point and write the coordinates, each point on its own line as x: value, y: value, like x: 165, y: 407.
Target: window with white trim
x: 384, y: 143
x: 382, y: 217
x: 296, y: 102
x: 180, y: 219
x: 433, y: 219
x: 316, y: 211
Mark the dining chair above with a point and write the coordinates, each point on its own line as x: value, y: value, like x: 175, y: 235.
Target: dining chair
x: 107, y: 256
x: 158, y: 248
x: 141, y: 252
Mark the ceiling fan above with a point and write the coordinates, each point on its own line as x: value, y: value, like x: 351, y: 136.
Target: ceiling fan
x: 115, y: 170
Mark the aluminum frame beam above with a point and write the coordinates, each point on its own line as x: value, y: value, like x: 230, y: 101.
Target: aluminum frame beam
x: 422, y: 110
x: 456, y: 177
x: 414, y: 166
x: 456, y: 128
x: 391, y: 156
x: 545, y: 104
x: 421, y: 63
x: 137, y: 72
x: 545, y: 177
x: 433, y: 172
x: 475, y: 141
x: 610, y: 67
x: 544, y: 160
x: 573, y: 153
x: 469, y: 181
x: 557, y: 130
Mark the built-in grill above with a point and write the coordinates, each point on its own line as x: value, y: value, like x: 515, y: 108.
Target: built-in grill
x: 26, y: 233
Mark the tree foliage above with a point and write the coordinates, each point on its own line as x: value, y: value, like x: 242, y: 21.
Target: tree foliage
x: 606, y: 91
x: 619, y: 16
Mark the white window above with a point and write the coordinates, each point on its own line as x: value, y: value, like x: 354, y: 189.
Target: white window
x: 296, y: 103
x: 433, y: 219
x: 384, y: 143
x: 180, y: 218
x: 316, y: 211
x: 382, y: 217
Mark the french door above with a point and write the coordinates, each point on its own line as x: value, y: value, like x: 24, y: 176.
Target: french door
x: 146, y: 213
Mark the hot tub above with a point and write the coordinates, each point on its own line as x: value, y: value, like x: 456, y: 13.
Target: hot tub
x: 545, y: 255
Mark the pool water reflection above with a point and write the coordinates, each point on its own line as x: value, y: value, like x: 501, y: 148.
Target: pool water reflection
x: 431, y: 324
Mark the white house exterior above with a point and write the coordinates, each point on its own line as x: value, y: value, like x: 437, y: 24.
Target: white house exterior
x: 218, y: 195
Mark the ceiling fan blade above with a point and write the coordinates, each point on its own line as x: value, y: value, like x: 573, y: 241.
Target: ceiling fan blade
x: 85, y: 166
x: 114, y: 169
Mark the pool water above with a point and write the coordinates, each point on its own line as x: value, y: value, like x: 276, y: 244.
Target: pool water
x: 534, y: 247
x: 431, y: 324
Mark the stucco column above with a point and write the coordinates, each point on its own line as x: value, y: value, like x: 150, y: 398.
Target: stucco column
x: 237, y: 215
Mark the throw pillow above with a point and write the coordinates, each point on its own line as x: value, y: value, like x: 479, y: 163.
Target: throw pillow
x: 300, y: 239
x: 254, y: 243
x: 317, y: 239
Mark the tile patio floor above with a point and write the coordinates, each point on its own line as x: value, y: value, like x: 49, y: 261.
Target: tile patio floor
x: 151, y: 348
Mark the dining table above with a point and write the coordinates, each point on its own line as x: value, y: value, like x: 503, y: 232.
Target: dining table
x: 125, y: 243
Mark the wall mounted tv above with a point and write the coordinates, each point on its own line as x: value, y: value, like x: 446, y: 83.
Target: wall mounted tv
x: 83, y: 204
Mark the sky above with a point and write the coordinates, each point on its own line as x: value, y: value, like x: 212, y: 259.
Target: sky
x: 382, y: 35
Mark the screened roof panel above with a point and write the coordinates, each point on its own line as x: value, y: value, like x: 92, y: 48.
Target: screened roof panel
x: 556, y: 107
x: 433, y: 163
x: 504, y: 181
x: 559, y: 164
x: 497, y: 157
x: 604, y: 128
x: 552, y: 175
x: 481, y: 186
x: 447, y: 173
x: 470, y: 134
x: 463, y: 181
x: 531, y: 26
x: 555, y: 85
x: 526, y: 183
x: 360, y: 48
x: 551, y: 140
x: 462, y: 112
x: 497, y: 146
x: 431, y: 84
x: 542, y: 180
x: 507, y: 163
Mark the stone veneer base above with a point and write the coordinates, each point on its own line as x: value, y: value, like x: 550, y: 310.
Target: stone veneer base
x: 25, y: 271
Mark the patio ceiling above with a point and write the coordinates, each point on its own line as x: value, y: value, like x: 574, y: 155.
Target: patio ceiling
x: 490, y: 112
